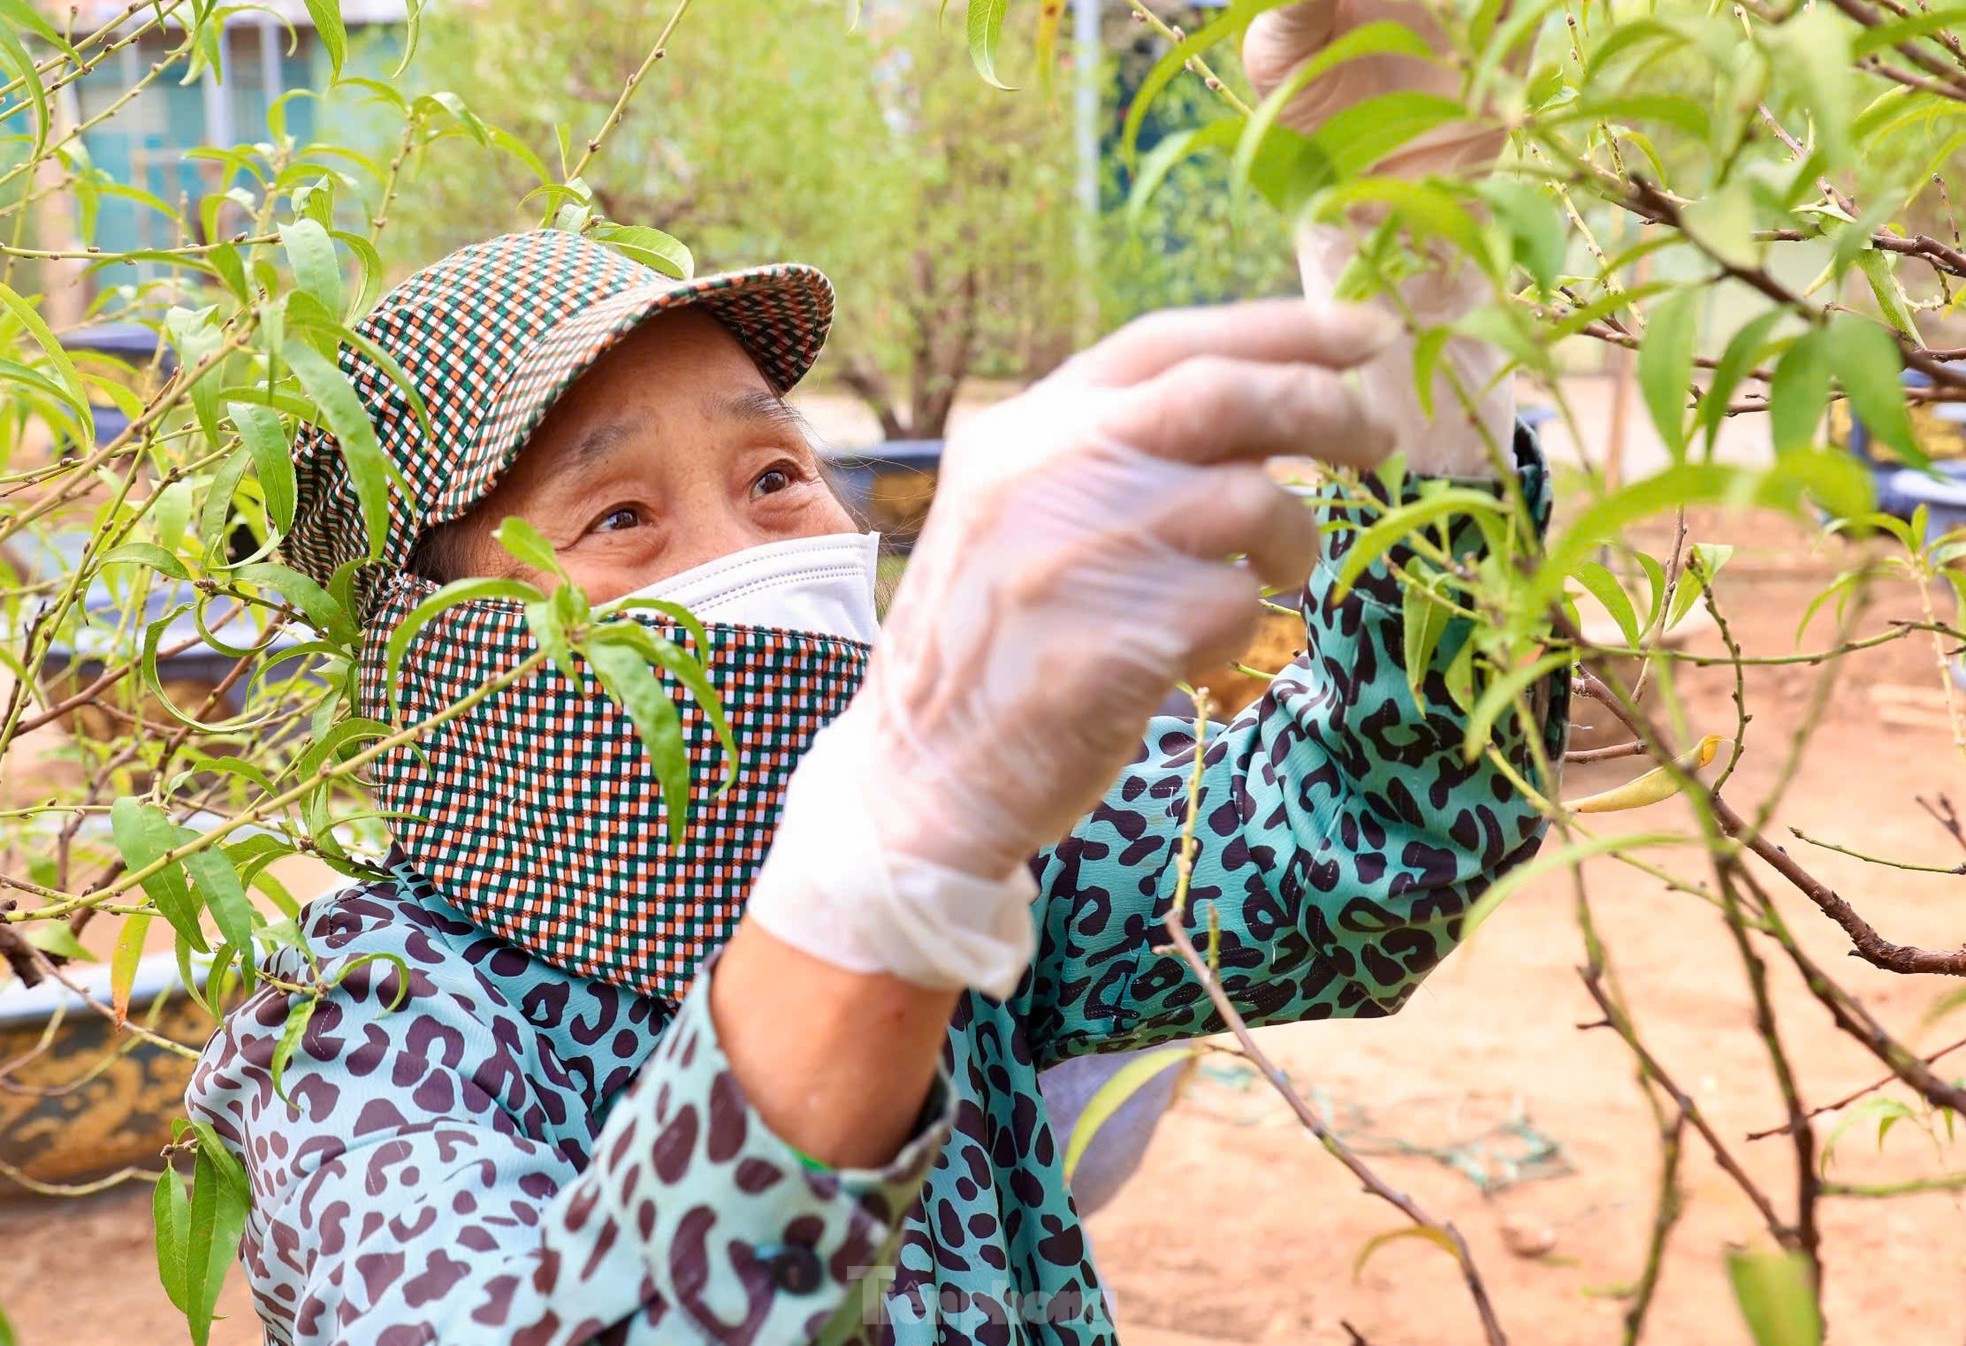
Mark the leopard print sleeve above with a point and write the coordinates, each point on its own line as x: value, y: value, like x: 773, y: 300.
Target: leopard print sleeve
x: 518, y: 1155
x: 1341, y: 834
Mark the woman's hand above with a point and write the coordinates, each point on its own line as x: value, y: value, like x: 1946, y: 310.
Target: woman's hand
x: 1076, y: 563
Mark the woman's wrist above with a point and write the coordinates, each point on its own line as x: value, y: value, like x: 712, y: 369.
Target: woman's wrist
x: 839, y: 884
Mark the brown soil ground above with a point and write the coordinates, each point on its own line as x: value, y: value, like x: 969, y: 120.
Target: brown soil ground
x: 1239, y: 1229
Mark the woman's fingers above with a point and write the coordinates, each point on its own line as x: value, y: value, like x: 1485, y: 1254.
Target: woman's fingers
x: 1269, y: 330
x: 1217, y: 409
x: 1238, y: 510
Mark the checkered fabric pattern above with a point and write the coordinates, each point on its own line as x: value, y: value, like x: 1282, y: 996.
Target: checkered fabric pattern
x: 490, y: 336
x: 537, y: 813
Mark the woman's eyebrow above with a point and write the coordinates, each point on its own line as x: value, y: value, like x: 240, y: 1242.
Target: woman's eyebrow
x: 760, y: 404
x: 602, y: 442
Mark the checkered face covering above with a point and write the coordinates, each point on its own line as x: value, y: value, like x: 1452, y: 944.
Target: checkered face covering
x: 536, y: 811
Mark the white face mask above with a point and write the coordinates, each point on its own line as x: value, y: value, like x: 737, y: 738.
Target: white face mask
x: 824, y: 585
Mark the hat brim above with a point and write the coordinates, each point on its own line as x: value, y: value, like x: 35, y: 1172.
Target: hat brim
x: 779, y: 314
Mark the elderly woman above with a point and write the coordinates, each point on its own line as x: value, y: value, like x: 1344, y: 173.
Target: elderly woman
x: 772, y: 1077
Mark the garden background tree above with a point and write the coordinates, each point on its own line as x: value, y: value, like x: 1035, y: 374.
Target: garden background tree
x: 945, y: 220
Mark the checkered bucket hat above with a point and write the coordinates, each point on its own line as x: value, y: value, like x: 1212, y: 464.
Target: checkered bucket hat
x: 536, y: 811
x: 490, y: 337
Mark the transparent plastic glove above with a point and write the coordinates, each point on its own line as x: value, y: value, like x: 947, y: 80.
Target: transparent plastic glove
x: 1451, y: 442
x: 1076, y: 564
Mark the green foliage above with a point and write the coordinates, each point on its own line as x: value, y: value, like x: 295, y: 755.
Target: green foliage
x: 1776, y: 1297
x: 940, y: 208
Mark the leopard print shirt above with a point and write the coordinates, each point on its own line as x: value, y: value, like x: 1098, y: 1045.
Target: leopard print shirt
x: 521, y: 1155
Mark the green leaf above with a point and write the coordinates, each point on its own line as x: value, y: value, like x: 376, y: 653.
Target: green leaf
x: 1836, y: 481
x: 143, y: 835
x: 1604, y: 587
x: 334, y: 38
x: 1876, y: 39
x: 7, y: 1334
x: 549, y: 628
x: 335, y: 744
x: 1695, y: 579
x: 395, y: 961
x: 663, y: 654
x: 348, y: 419
x: 218, y: 500
x: 1728, y: 371
x: 1814, y: 45
x: 1868, y: 363
x: 1682, y: 114
x: 1549, y: 862
x: 196, y: 336
x: 1879, y: 269
x: 1124, y: 1083
x: 55, y: 939
x: 369, y: 261
x: 1500, y: 695
x: 1381, y: 37
x: 1722, y: 222
x: 470, y: 122
x: 1798, y: 391
x: 313, y: 602
x: 412, y: 34
x: 1775, y: 1297
x: 21, y: 62
x: 1655, y: 579
x: 985, y: 31
x: 1425, y: 621
x: 170, y: 1217
x: 525, y: 542
x: 1539, y: 236
x: 1460, y: 678
x: 214, y: 878
x: 1170, y: 150
x: 124, y: 961
x: 650, y: 247
x: 1665, y: 366
x: 220, y: 1200
x: 420, y: 616
x: 265, y: 437
x: 1628, y: 35
x: 1398, y: 524
x: 1437, y: 1237
x: 298, y: 1015
x: 631, y: 683
x: 1360, y: 135
x: 75, y: 395
x: 21, y: 14
x: 316, y: 267
x: 146, y: 554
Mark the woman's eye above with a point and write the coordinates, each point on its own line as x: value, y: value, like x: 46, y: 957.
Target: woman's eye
x: 617, y: 519
x: 771, y: 482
